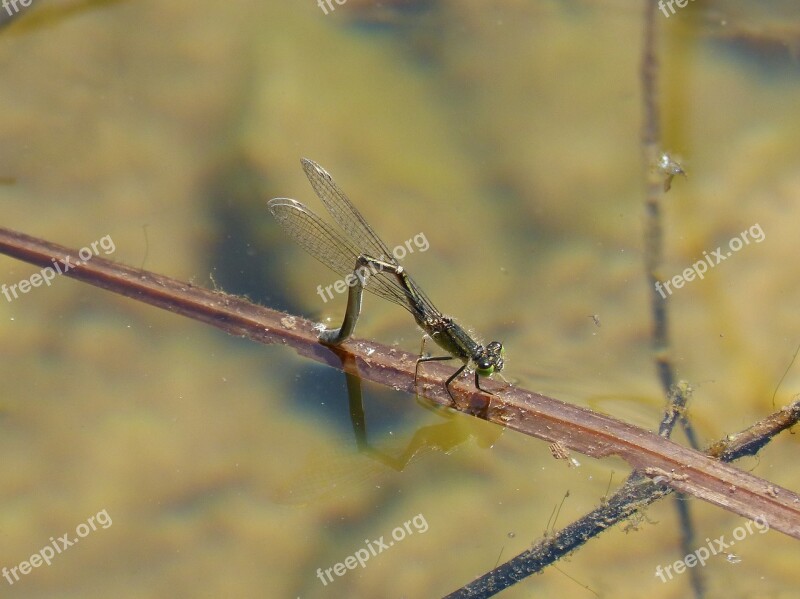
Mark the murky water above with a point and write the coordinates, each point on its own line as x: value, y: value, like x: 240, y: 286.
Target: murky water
x: 507, y: 134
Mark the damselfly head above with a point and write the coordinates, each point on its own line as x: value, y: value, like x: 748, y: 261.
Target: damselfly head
x: 490, y: 360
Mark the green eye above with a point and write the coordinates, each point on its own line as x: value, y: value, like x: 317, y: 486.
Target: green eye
x: 488, y: 371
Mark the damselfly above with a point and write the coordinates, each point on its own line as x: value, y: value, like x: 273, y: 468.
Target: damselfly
x: 358, y: 254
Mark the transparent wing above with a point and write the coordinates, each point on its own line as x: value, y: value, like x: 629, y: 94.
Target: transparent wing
x: 333, y: 249
x: 344, y: 213
x: 357, y: 229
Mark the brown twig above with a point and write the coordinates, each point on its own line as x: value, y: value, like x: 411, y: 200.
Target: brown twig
x: 576, y: 428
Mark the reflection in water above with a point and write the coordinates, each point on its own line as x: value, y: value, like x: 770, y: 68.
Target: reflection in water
x: 337, y: 472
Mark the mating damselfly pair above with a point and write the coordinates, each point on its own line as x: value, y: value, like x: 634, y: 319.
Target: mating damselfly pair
x: 358, y: 254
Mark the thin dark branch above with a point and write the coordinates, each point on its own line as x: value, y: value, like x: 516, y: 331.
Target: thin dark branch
x: 637, y: 493
x: 651, y: 142
x: 653, y: 227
